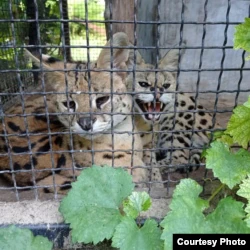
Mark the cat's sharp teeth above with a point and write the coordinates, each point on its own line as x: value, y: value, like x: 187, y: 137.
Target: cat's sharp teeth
x: 150, y: 116
x: 161, y: 105
x: 149, y: 104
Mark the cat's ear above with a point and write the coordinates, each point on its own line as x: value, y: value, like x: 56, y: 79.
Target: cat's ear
x: 53, y: 79
x: 171, y: 59
x: 134, y: 58
x: 37, y: 62
x: 120, y: 55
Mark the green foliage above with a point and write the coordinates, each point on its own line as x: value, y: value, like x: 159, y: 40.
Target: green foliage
x: 186, y: 215
x: 186, y: 211
x: 53, y: 7
x: 228, y: 217
x: 230, y: 168
x: 222, y: 136
x: 136, y: 203
x: 244, y: 191
x: 247, y: 103
x: 242, y: 36
x: 238, y: 125
x: 16, y: 10
x: 77, y: 9
x: 227, y: 139
x: 101, y: 205
x: 51, y: 33
x: 92, y: 205
x: 78, y: 35
x: 128, y: 236
x: 22, y: 239
x: 217, y: 136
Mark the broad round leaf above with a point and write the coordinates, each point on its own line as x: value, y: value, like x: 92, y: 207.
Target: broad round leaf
x: 230, y: 168
x: 129, y: 236
x: 13, y: 237
x: 92, y: 205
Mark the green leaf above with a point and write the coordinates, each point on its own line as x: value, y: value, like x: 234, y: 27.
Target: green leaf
x: 216, y: 134
x: 129, y: 236
x: 92, y: 205
x: 136, y: 203
x: 204, y: 153
x: 244, y: 191
x: 186, y: 211
x: 247, y: 103
x: 221, y: 136
x: 13, y: 237
x: 186, y: 215
x: 227, y: 218
x: 230, y: 168
x: 226, y: 139
x: 242, y: 36
x: 238, y: 125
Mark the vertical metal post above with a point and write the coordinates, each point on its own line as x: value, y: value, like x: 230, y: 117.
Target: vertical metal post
x: 33, y: 35
x: 66, y: 29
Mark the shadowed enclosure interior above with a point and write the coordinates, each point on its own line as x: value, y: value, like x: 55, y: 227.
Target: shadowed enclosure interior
x: 209, y: 69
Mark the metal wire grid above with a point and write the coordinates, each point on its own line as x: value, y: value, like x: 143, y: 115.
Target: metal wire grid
x: 81, y: 11
x: 11, y: 35
x: 20, y: 91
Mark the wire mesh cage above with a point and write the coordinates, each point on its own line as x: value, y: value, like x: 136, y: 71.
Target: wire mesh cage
x: 12, y: 35
x: 84, y: 30
x: 75, y: 91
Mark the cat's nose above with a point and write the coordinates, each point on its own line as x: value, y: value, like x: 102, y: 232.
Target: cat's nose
x: 156, y: 91
x: 86, y: 122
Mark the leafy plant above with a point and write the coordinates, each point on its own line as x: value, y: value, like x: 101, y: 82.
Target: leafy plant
x: 13, y: 237
x: 94, y: 209
x: 53, y: 8
x: 129, y: 236
x: 93, y: 203
x: 242, y: 36
x: 231, y: 165
x: 101, y: 205
x: 244, y: 192
x: 238, y: 126
x: 187, y: 214
x: 12, y: 33
x: 231, y: 168
x: 94, y: 9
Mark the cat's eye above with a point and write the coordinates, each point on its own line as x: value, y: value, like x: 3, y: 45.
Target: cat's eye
x: 101, y: 100
x: 166, y: 85
x: 72, y: 105
x: 144, y: 84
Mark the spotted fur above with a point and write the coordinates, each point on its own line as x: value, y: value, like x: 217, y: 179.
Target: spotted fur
x: 154, y: 173
x: 168, y: 118
x: 33, y: 152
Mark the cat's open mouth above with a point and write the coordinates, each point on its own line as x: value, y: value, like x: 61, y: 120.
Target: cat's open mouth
x: 152, y: 110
